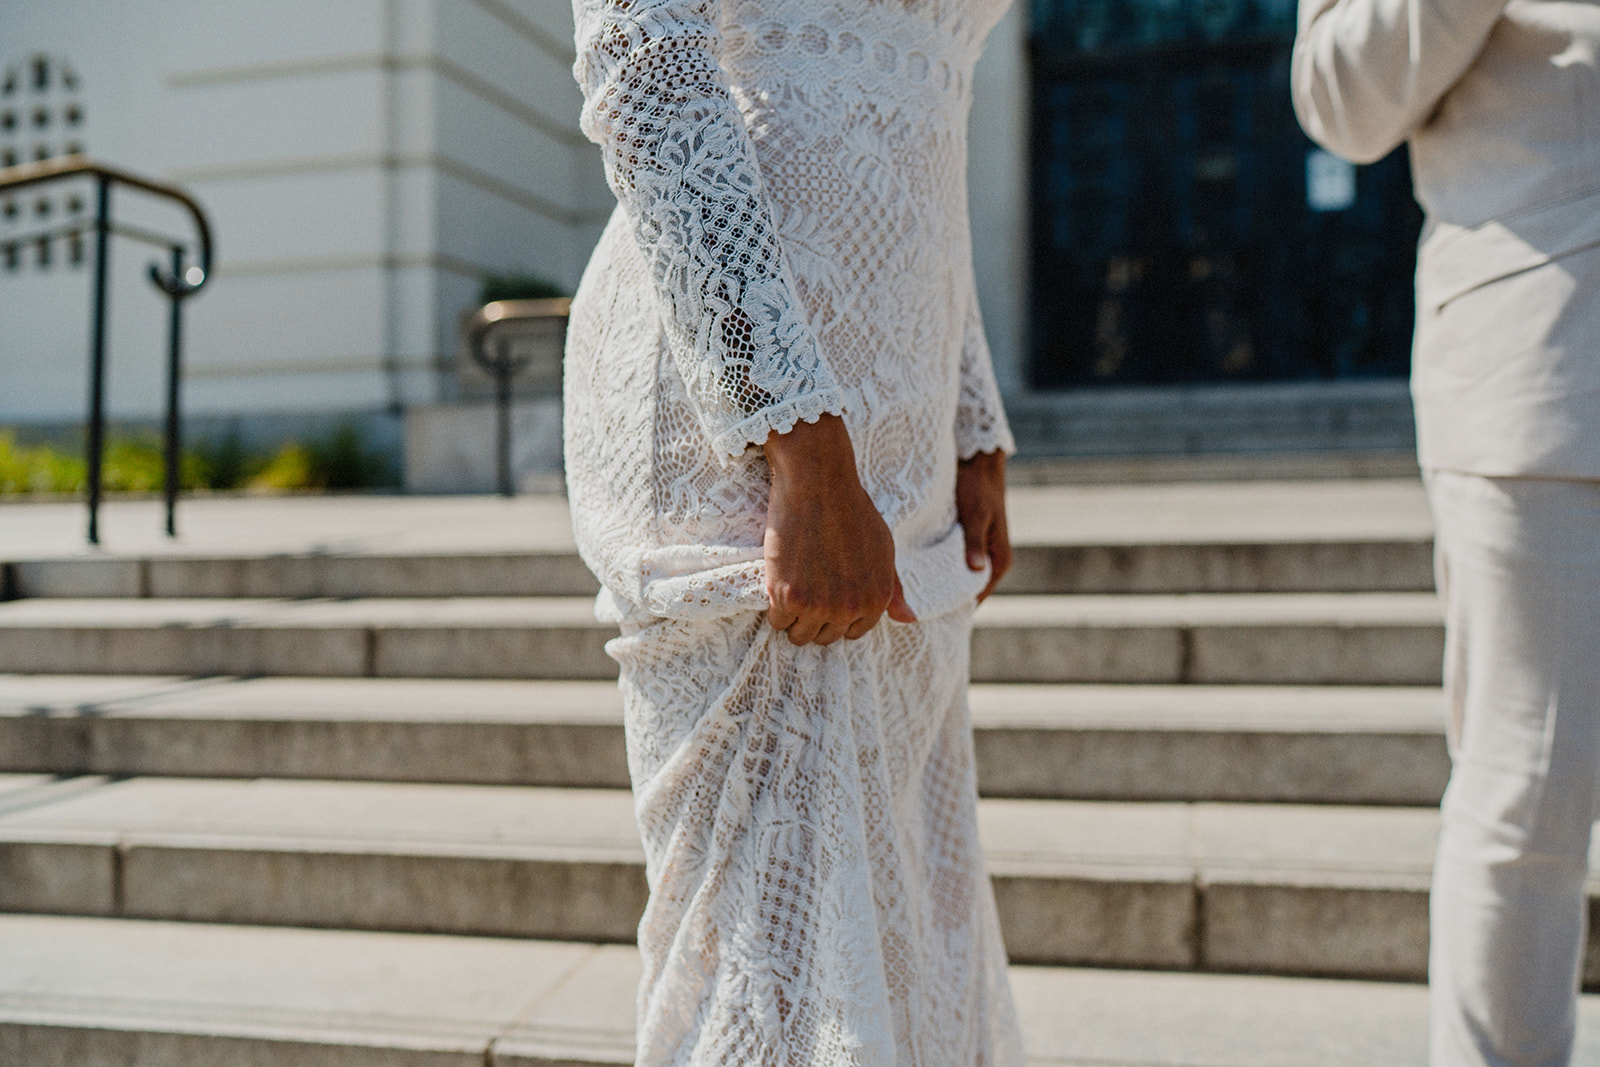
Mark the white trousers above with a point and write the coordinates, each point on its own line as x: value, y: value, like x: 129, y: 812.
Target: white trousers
x: 1518, y: 563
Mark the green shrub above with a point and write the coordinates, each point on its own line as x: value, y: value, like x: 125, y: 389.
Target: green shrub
x: 339, y: 460
x: 56, y: 473
x: 222, y: 464
x: 133, y: 465
x: 38, y: 470
x: 291, y: 468
x: 342, y: 461
x: 517, y: 287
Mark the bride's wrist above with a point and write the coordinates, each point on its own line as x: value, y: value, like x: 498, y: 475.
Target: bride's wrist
x: 993, y: 460
x: 812, y: 450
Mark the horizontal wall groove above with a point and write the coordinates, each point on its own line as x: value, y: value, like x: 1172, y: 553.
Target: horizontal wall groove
x: 530, y: 32
x: 377, y: 161
x: 378, y: 62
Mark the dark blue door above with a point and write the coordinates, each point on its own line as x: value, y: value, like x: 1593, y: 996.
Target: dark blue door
x: 1185, y: 230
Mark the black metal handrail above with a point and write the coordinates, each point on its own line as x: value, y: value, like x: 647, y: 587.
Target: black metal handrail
x: 179, y: 283
x: 481, y: 328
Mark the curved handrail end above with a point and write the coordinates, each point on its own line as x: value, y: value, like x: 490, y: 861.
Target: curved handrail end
x: 77, y: 165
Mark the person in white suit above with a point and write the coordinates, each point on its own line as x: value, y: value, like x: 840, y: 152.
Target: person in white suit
x: 1499, y: 101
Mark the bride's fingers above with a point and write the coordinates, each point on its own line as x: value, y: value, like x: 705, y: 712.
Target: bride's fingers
x: 1000, y: 553
x: 828, y: 634
x: 996, y: 571
x: 780, y: 617
x: 861, y: 626
x: 1000, y: 556
x: 803, y: 630
x: 976, y: 534
x: 899, y: 610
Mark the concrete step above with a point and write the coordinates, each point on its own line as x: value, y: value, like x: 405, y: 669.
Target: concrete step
x: 446, y: 637
x: 1348, y: 566
x: 1236, y: 639
x: 319, y: 574
x: 1328, y: 891
x: 1331, y: 745
x: 92, y: 992
x: 1285, y: 639
x: 77, y: 992
x: 1360, y: 565
x: 487, y: 731
x: 1275, y: 536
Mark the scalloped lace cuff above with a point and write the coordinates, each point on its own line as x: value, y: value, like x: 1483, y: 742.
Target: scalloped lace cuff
x: 995, y: 438
x: 779, y: 418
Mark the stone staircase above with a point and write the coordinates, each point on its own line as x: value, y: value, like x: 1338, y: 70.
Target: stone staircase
x: 366, y: 805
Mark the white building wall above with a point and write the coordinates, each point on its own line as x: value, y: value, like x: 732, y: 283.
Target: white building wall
x: 44, y: 327
x: 998, y: 180
x: 364, y: 163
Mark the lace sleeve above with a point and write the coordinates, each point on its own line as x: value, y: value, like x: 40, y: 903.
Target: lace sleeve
x: 980, y: 418
x: 683, y: 166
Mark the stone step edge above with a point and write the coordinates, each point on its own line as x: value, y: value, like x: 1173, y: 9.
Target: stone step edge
x: 1062, y: 899
x: 1340, y: 564
x: 1340, y: 638
x: 575, y: 1006
x: 1095, y: 745
x: 596, y: 702
x: 174, y: 1020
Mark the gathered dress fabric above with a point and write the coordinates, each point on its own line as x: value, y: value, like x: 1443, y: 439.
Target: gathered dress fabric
x: 791, y: 240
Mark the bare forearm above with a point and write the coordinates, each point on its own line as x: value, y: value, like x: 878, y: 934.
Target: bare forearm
x: 829, y: 554
x: 813, y: 451
x: 981, y: 510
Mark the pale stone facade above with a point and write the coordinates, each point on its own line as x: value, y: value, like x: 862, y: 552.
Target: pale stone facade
x: 364, y: 164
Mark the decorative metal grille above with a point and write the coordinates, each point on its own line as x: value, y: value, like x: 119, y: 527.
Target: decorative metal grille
x: 1185, y: 230
x: 42, y: 116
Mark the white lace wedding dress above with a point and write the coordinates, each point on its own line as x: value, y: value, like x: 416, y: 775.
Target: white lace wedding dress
x: 791, y: 240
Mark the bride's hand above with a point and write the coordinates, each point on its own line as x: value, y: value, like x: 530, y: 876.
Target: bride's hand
x: 829, y: 554
x: 981, y: 510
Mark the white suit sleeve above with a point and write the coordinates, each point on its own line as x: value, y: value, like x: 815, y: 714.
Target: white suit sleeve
x: 683, y: 166
x: 1367, y: 73
x: 980, y: 418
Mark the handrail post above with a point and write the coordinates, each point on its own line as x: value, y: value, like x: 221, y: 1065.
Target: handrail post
x: 182, y: 284
x: 174, y: 372
x: 97, y: 351
x: 503, y: 370
x: 503, y: 366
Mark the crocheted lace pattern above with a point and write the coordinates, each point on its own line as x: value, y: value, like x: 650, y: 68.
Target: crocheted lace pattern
x: 791, y: 240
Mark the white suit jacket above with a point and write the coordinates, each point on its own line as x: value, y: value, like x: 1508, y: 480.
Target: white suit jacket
x: 1500, y: 103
